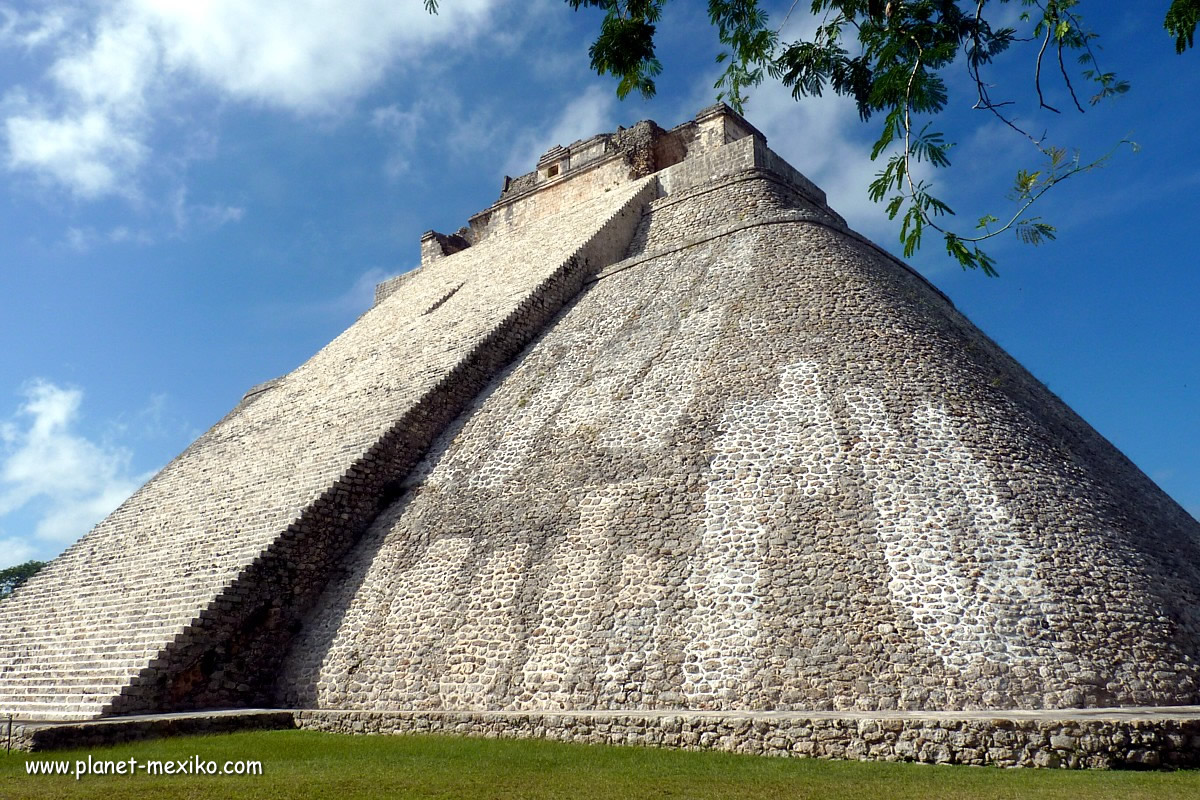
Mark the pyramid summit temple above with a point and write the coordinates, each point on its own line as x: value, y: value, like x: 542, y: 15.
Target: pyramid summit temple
x: 655, y: 449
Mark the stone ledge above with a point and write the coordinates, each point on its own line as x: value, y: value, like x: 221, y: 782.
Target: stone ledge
x: 1061, y: 738
x: 40, y: 736
x: 1069, y: 739
x: 775, y: 218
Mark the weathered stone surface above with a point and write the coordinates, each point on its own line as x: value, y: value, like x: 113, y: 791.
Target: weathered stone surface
x: 1165, y: 737
x: 957, y: 739
x: 744, y: 462
x: 760, y: 465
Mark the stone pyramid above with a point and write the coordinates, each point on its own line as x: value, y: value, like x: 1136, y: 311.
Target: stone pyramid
x: 655, y: 431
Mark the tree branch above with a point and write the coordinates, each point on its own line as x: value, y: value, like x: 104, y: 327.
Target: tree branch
x: 1067, y: 78
x: 1037, y: 72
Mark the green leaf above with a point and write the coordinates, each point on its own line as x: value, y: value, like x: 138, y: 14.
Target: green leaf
x: 892, y: 57
x: 893, y: 207
x: 1025, y: 182
x: 1031, y: 231
x: 892, y: 125
x: 1181, y: 21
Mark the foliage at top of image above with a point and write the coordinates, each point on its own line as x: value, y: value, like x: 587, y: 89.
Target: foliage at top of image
x: 891, y: 56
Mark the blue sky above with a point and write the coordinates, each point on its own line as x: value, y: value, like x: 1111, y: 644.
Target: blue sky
x: 195, y: 197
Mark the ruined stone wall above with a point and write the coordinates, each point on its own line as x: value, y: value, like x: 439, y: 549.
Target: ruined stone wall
x: 771, y: 470
x: 1136, y: 738
x: 997, y: 742
x: 385, y: 289
x: 691, y: 154
x: 188, y: 594
x: 705, y: 164
x: 590, y: 183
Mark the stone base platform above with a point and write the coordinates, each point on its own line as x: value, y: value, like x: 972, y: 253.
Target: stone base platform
x: 38, y: 735
x: 1137, y: 738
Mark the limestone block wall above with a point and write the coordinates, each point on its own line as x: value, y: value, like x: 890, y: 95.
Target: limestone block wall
x: 385, y: 289
x: 772, y: 470
x: 742, y: 195
x: 1064, y: 743
x: 769, y: 160
x: 187, y: 595
x: 640, y: 148
x: 707, y: 164
x: 514, y: 216
x: 718, y: 142
x: 1128, y: 738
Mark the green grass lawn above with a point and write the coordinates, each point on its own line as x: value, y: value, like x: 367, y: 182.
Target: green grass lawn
x: 308, y: 764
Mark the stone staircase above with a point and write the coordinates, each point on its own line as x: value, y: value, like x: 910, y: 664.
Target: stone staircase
x: 55, y: 668
x: 184, y: 594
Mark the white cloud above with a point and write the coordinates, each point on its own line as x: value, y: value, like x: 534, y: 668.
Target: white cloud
x: 87, y: 153
x: 355, y: 300
x: 113, y: 68
x: 122, y: 234
x: 66, y: 522
x: 303, y: 55
x: 116, y: 73
x: 358, y: 298
x: 187, y: 215
x: 397, y: 122
x: 80, y: 239
x: 477, y: 130
x: 361, y: 295
x: 64, y: 481
x: 400, y: 126
x: 218, y: 215
x: 83, y: 240
x: 14, y: 550
x: 30, y: 30
x: 591, y: 113
x: 824, y: 138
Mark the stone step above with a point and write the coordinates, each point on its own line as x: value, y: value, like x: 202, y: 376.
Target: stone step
x: 101, y: 582
x: 55, y: 691
x: 91, y: 582
x: 46, y: 656
x: 110, y: 590
x: 99, y: 632
x: 49, y: 684
x: 72, y: 682
x: 98, y: 649
x: 108, y: 635
x: 52, y: 711
x: 61, y: 702
x: 61, y: 699
x: 131, y: 604
x: 19, y: 650
x: 83, y: 667
x: 89, y: 615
